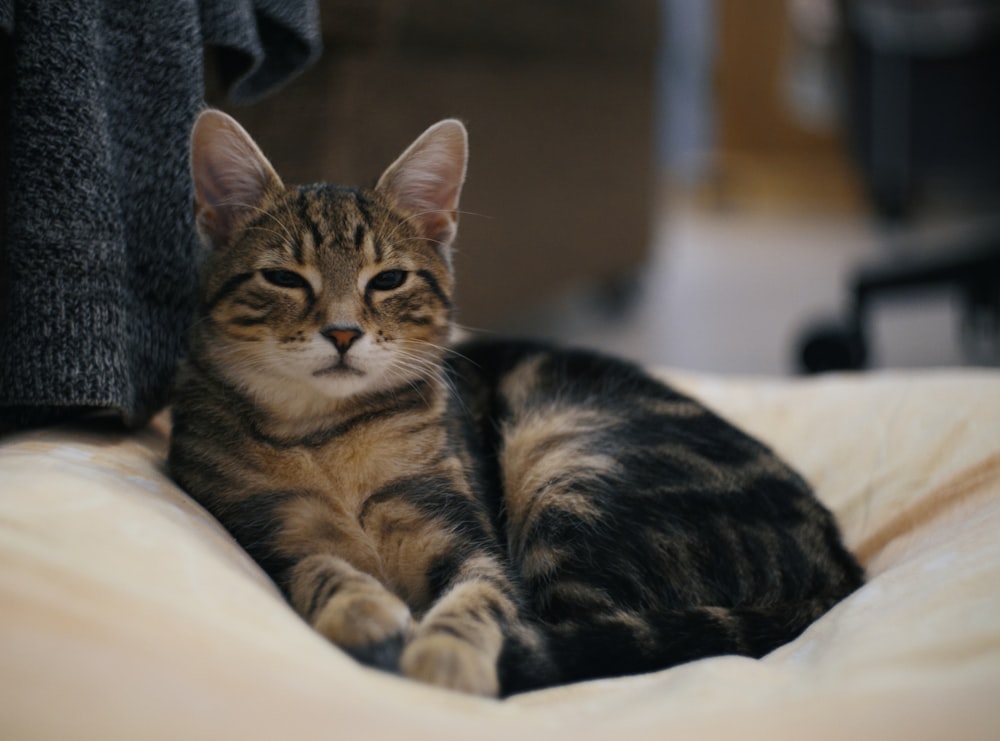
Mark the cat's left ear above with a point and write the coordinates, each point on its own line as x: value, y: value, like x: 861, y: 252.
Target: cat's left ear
x: 231, y: 175
x: 426, y: 181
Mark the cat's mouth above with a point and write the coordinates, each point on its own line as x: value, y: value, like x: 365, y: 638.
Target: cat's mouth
x: 340, y: 368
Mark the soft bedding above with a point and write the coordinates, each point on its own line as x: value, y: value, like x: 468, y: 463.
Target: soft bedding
x: 127, y: 612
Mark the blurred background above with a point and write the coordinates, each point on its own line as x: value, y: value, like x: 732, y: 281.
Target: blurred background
x: 715, y: 185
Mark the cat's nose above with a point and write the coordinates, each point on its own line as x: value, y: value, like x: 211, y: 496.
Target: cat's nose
x: 341, y: 337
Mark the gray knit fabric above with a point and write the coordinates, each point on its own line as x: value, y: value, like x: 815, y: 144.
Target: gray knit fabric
x: 99, y: 244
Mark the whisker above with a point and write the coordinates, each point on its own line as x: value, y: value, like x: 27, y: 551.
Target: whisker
x: 391, y: 244
x: 410, y: 218
x: 443, y: 348
x: 418, y: 214
x: 433, y: 369
x: 476, y: 330
x: 258, y: 209
x: 261, y: 228
x: 395, y: 371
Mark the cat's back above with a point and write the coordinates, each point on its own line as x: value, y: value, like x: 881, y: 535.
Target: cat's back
x: 576, y: 391
x: 592, y: 449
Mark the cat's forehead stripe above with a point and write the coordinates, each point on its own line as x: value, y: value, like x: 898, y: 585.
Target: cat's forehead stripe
x: 361, y: 201
x: 366, y: 225
x: 309, y: 213
x: 298, y: 250
x: 316, y: 236
x: 305, y: 248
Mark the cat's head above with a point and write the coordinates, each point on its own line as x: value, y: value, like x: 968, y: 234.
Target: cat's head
x: 320, y: 293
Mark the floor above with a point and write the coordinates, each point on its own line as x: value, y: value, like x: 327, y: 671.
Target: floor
x: 730, y: 290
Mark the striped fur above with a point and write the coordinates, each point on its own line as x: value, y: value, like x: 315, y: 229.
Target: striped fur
x: 490, y: 518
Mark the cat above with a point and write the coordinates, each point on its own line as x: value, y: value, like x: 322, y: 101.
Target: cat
x: 492, y: 516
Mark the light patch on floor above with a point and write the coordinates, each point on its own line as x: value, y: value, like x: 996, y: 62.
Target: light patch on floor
x: 731, y: 292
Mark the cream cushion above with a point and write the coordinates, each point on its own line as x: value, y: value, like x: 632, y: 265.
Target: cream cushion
x: 127, y: 612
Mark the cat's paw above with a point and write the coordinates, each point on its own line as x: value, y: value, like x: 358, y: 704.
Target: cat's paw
x: 447, y: 661
x: 370, y: 626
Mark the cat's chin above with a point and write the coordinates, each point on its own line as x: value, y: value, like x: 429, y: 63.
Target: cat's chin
x: 342, y: 383
x: 299, y: 405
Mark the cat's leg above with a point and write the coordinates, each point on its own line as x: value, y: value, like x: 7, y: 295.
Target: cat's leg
x: 458, y: 642
x: 462, y: 641
x: 351, y: 608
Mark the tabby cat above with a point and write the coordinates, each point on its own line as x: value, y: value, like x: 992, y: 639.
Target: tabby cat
x: 492, y: 517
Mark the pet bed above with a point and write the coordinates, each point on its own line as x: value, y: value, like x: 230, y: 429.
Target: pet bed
x: 127, y: 612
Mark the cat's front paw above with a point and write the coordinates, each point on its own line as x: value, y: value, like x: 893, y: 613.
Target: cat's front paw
x: 447, y: 661
x: 371, y: 627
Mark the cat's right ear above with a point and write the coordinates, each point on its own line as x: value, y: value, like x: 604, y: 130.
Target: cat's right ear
x: 231, y: 175
x: 425, y: 182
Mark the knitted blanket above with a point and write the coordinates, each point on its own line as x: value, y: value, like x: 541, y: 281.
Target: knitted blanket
x: 99, y: 248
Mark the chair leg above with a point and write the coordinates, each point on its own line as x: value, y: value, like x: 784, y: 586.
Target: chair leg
x: 970, y: 266
x: 834, y: 345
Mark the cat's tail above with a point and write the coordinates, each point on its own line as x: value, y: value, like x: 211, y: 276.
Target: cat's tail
x: 618, y: 643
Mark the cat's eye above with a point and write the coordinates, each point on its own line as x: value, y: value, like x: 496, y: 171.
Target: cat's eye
x: 387, y: 280
x: 284, y: 279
